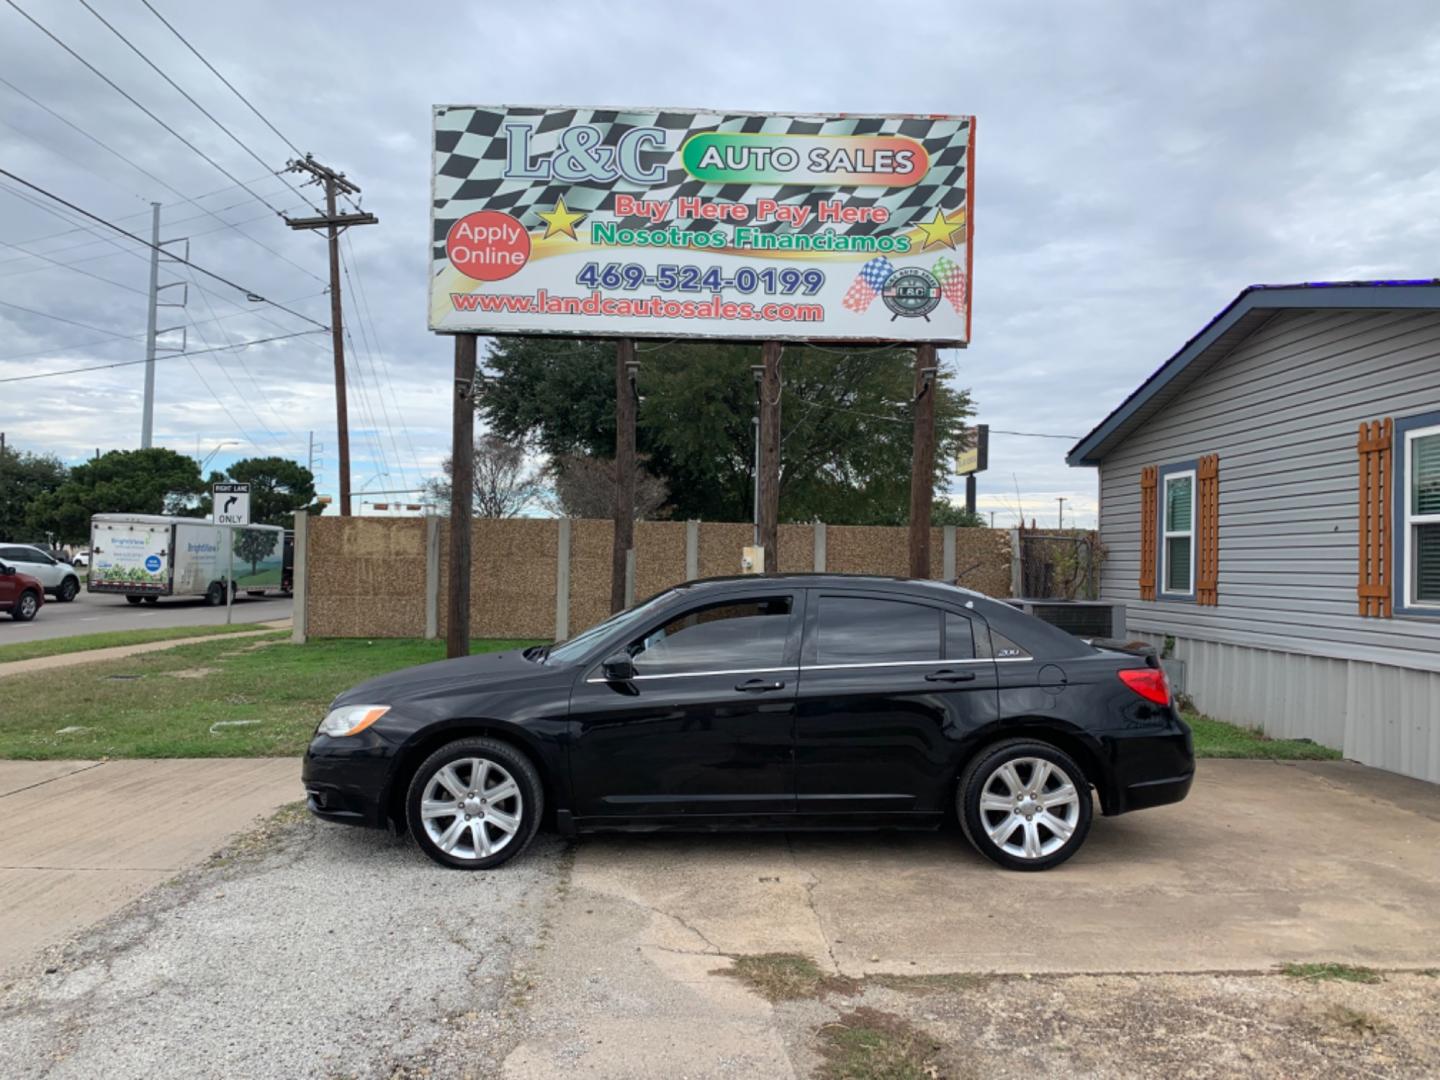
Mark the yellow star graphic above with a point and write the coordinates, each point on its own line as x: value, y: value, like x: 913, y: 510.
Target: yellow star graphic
x: 939, y: 230
x: 561, y: 220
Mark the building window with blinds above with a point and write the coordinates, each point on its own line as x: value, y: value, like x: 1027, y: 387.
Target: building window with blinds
x: 1177, y: 532
x: 1421, y: 534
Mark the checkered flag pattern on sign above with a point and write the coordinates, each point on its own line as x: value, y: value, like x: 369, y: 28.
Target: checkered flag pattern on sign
x: 868, y: 283
x: 952, y: 282
x: 470, y: 150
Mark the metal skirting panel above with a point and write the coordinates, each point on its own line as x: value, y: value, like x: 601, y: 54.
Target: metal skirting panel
x: 1377, y: 714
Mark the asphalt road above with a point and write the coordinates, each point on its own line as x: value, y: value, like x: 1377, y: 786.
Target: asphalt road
x: 93, y: 613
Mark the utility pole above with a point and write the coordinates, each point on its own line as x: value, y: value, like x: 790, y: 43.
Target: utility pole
x: 758, y: 370
x: 769, y: 479
x: 310, y: 456
x: 626, y: 370
x: 1061, y: 500
x: 334, y: 224
x: 147, y: 418
x: 462, y: 489
x: 922, y: 461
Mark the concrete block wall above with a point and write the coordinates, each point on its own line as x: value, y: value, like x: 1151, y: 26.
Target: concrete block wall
x: 388, y: 577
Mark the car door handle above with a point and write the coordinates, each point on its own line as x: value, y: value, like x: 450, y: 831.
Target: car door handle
x: 759, y: 686
x: 950, y: 675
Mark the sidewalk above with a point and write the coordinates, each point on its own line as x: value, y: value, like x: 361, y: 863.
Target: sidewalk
x: 84, y: 838
x: 120, y: 652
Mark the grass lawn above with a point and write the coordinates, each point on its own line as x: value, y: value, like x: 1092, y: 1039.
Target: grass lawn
x: 167, y: 703
x: 1217, y: 739
x: 29, y: 650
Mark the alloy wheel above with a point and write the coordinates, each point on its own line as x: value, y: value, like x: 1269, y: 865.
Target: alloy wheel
x: 471, y: 808
x: 1030, y: 807
x: 29, y: 605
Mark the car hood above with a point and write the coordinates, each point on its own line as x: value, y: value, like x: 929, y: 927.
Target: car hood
x: 446, y: 678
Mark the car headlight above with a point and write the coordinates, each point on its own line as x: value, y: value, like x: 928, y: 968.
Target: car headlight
x: 350, y: 720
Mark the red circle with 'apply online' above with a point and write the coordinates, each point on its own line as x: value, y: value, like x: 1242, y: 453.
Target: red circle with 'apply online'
x: 487, y: 245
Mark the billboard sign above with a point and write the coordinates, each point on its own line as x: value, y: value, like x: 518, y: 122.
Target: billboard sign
x: 975, y: 458
x: 682, y: 223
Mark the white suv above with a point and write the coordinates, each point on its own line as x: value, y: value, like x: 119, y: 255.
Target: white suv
x: 58, y: 578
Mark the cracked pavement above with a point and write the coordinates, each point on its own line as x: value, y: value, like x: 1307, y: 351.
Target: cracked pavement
x: 316, y: 950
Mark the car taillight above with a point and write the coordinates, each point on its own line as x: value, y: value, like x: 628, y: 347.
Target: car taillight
x: 1149, y: 683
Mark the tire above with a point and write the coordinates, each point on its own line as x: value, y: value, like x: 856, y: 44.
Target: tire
x: 474, y: 835
x: 25, y: 606
x: 69, y: 589
x: 133, y: 599
x: 152, y: 599
x: 1013, y: 829
x: 215, y: 595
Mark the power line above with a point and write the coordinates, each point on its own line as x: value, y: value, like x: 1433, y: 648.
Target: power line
x: 131, y: 338
x: 130, y: 98
x: 182, y: 92
x: 61, y: 318
x: 1033, y: 434
x: 169, y: 356
x: 227, y: 82
x: 250, y: 294
x: 166, y: 184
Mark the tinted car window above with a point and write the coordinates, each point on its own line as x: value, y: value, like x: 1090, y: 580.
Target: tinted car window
x: 723, y: 637
x: 18, y: 554
x: 959, y: 637
x: 864, y: 630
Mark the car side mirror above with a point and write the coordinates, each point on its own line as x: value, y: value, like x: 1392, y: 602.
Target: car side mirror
x: 618, y: 668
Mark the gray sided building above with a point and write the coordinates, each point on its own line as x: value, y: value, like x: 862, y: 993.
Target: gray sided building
x: 1270, y: 498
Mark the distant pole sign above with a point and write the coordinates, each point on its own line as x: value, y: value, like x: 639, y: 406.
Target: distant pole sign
x: 977, y: 458
x: 231, y: 504
x: 676, y: 223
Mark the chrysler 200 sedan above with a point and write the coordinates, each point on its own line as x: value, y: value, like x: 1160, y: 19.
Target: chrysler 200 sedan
x: 776, y: 701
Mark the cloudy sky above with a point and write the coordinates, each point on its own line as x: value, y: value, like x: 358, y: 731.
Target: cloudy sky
x: 1137, y: 165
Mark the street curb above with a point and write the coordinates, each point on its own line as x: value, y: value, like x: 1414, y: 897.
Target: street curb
x: 120, y: 652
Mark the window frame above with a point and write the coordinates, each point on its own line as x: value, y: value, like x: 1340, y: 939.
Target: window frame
x: 789, y: 660
x: 1178, y: 471
x: 1403, y: 583
x: 979, y: 629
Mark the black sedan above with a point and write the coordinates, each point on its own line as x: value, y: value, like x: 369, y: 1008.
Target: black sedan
x: 779, y: 702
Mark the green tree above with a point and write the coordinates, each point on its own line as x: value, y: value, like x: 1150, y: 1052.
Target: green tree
x: 24, y: 477
x: 278, y: 487
x: 845, y: 423
x: 945, y: 512
x: 153, y: 481
x: 252, y: 545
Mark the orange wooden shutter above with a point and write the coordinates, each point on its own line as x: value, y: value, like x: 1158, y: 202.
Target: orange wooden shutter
x: 1207, y: 532
x: 1149, y: 476
x: 1376, y: 461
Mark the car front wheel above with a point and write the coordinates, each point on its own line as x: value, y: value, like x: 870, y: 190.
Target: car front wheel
x: 1024, y: 804
x: 474, y: 804
x: 26, y: 606
x: 69, y: 589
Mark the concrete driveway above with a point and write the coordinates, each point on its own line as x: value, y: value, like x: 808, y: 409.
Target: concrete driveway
x: 83, y: 838
x: 341, y: 951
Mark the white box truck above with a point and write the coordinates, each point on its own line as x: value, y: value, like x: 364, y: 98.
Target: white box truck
x: 147, y: 556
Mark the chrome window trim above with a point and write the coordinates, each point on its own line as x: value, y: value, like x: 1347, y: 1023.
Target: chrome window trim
x: 937, y: 664
x: 696, y: 674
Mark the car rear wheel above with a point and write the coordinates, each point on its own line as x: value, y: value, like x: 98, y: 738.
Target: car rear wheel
x: 1024, y: 804
x: 26, y: 606
x: 69, y: 589
x: 474, y: 804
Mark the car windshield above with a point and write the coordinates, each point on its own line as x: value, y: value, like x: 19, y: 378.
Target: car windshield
x: 572, y: 650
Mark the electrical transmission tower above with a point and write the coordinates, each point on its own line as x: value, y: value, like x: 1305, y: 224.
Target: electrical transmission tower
x: 335, y: 184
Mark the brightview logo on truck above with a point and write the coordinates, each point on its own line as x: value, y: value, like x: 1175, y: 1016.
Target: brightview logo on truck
x: 201, y: 549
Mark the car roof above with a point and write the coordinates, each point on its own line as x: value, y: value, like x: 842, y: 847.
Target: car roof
x: 1040, y: 638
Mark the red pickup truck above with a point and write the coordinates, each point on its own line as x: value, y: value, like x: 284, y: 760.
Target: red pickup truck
x: 20, y: 594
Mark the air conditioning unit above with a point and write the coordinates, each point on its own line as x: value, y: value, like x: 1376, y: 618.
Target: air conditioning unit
x: 1083, y: 618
